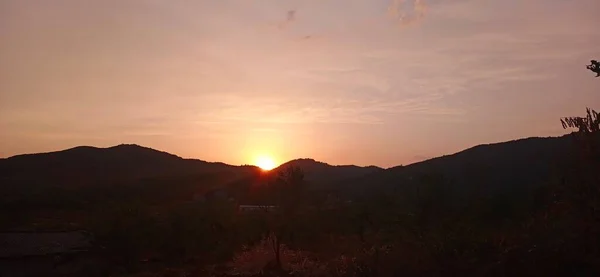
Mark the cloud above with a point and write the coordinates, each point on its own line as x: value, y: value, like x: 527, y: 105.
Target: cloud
x: 289, y: 19
x: 407, y: 12
x: 329, y: 110
x: 291, y: 15
x: 208, y: 68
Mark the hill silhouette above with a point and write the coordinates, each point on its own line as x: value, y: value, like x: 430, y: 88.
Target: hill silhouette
x: 133, y: 197
x: 484, y: 169
x: 86, y: 166
x: 491, y: 169
x: 321, y: 174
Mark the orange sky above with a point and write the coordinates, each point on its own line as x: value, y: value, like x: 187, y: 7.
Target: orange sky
x: 341, y: 81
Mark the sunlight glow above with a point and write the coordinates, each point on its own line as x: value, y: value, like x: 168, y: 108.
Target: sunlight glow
x: 265, y: 162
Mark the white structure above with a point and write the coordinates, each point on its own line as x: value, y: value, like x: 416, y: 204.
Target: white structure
x: 249, y: 208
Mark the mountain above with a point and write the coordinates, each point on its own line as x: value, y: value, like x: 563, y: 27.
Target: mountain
x: 85, y: 174
x: 497, y: 168
x: 85, y: 165
x: 320, y: 173
x: 319, y: 176
x: 490, y: 169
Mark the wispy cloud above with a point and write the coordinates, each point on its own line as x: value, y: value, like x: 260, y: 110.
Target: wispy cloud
x: 212, y: 70
x: 290, y: 17
x: 302, y: 110
x: 407, y: 12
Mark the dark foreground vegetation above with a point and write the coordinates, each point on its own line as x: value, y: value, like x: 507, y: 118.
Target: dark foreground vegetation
x: 424, y: 220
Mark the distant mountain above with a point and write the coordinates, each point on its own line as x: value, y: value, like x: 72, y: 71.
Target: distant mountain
x: 85, y: 165
x: 319, y: 176
x: 498, y: 168
x: 320, y: 173
x: 485, y: 169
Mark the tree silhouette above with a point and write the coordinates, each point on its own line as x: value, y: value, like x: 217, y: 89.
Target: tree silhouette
x: 288, y: 193
x: 588, y: 124
x: 588, y: 127
x: 594, y: 66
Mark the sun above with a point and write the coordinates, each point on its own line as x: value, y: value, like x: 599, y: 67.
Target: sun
x: 265, y: 162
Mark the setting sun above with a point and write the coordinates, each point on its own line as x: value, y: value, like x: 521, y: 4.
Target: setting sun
x: 265, y: 162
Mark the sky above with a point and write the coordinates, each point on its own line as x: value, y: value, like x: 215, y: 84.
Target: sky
x: 366, y: 82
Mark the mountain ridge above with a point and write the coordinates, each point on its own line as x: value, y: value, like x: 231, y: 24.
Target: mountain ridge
x: 485, y: 169
x: 90, y: 166
x: 311, y: 160
x: 132, y: 145
x: 289, y: 162
x: 498, y: 165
